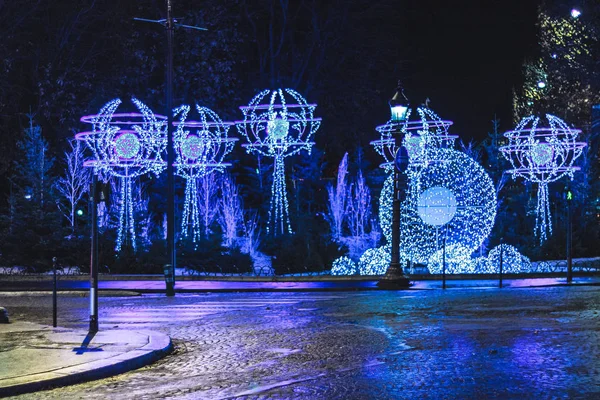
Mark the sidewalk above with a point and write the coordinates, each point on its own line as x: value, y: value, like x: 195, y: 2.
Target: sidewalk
x: 33, y: 356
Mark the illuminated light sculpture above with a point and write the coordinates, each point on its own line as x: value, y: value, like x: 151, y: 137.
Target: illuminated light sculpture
x: 277, y: 127
x: 458, y: 260
x: 200, y: 149
x: 425, y: 130
x: 125, y: 146
x: 512, y: 260
x: 542, y: 154
x: 375, y: 261
x: 460, y: 193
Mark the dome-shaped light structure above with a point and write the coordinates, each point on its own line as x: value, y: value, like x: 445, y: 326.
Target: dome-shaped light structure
x: 420, y: 130
x: 542, y: 152
x: 126, y: 146
x: 278, y: 123
x: 200, y: 147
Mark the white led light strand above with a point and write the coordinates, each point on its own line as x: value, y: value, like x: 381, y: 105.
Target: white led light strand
x: 200, y: 147
x: 542, y: 154
x: 278, y: 129
x: 125, y: 146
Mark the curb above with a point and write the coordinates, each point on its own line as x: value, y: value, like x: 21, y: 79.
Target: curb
x: 158, y: 346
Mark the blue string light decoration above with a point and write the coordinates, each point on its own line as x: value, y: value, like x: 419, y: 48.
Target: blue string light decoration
x: 344, y: 266
x: 474, y: 211
x: 542, y: 154
x: 125, y: 146
x: 200, y: 148
x: 278, y: 124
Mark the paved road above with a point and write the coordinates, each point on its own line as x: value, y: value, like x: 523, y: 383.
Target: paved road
x: 473, y: 343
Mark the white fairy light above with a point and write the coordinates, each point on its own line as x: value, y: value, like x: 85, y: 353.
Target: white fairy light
x: 542, y: 154
x: 278, y: 128
x: 200, y: 147
x: 125, y: 146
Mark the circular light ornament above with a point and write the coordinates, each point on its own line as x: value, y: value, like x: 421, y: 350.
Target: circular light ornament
x: 278, y: 123
x: 463, y: 194
x: 277, y: 129
x: 541, y: 154
x: 193, y: 147
x: 436, y: 206
x: 127, y: 146
x: 200, y: 147
x: 542, y: 151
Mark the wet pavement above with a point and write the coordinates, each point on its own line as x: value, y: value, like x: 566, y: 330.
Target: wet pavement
x: 462, y: 343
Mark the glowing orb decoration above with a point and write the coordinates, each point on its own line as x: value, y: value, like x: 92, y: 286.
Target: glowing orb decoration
x: 375, y: 261
x: 278, y: 129
x: 193, y: 147
x: 470, y: 210
x: 125, y: 146
x: 542, y: 152
x: 436, y: 206
x: 200, y: 147
x: 278, y: 123
x: 344, y: 266
x: 422, y: 130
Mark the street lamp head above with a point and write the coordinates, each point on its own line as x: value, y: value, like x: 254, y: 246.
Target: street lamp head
x: 399, y: 105
x: 575, y: 13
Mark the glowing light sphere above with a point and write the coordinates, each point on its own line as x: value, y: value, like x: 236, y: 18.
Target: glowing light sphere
x: 278, y: 123
x: 512, y: 260
x: 542, y: 152
x: 470, y: 210
x: 436, y: 206
x: 375, y: 261
x: 344, y: 266
x: 200, y: 148
x: 125, y: 146
x: 422, y: 130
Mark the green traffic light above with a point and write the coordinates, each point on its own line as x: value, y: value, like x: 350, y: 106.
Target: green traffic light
x: 80, y: 212
x: 569, y: 195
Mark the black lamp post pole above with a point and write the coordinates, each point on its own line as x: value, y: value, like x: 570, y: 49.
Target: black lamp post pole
x: 170, y: 153
x: 94, y: 255
x: 569, y: 238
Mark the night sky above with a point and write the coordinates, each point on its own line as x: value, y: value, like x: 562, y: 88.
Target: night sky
x: 468, y: 59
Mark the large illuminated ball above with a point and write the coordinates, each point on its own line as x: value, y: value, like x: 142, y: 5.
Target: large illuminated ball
x: 456, y: 191
x: 512, y: 260
x: 375, y: 261
x: 344, y: 266
x: 542, y: 151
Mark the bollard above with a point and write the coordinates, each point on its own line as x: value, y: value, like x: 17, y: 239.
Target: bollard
x: 54, y: 311
x: 3, y: 316
x: 501, y: 262
x: 169, y: 279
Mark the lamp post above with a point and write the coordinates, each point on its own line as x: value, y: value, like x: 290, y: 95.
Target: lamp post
x: 394, y: 277
x: 569, y: 197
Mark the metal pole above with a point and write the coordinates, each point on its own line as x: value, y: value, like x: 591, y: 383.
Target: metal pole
x: 395, y: 257
x: 94, y: 256
x: 444, y: 260
x: 501, y: 264
x: 170, y: 150
x: 569, y: 243
x: 54, y: 306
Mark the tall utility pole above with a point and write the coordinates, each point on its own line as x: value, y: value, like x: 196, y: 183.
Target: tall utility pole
x: 170, y: 23
x: 170, y: 152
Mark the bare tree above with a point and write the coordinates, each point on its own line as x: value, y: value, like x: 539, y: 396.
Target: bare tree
x: 74, y: 182
x: 359, y: 206
x: 231, y: 214
x: 207, y: 201
x: 338, y: 200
